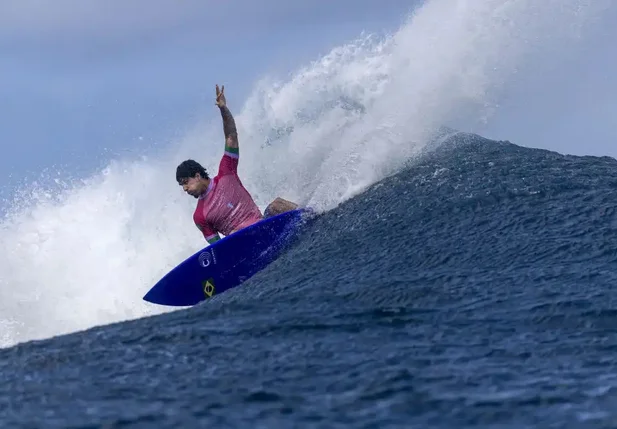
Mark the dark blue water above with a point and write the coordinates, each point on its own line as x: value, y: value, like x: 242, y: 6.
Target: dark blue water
x: 475, y: 288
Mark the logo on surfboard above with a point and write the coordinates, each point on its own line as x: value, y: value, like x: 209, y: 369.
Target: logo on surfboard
x: 206, y: 258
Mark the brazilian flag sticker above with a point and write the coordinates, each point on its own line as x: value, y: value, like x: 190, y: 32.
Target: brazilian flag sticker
x: 209, y: 289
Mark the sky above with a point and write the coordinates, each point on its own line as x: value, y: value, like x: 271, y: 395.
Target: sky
x: 83, y: 82
x: 566, y: 100
x: 86, y: 81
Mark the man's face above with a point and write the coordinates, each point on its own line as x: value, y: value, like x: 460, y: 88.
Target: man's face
x: 193, y: 185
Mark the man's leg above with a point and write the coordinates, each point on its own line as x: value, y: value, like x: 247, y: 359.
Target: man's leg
x: 278, y: 206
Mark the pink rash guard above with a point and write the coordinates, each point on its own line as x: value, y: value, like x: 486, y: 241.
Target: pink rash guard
x: 226, y: 206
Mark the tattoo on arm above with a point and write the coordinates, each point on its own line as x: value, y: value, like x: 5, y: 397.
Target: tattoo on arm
x: 214, y: 239
x: 229, y: 127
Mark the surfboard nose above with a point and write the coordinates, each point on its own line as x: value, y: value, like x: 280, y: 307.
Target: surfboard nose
x: 163, y: 293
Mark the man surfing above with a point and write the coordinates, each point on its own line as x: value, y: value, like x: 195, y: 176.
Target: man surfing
x: 224, y: 206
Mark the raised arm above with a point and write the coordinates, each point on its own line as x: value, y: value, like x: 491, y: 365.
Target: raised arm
x: 229, y: 125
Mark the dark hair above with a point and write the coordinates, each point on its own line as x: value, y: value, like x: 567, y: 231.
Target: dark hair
x: 188, y: 169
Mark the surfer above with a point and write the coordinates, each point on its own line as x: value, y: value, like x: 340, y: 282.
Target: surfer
x: 224, y: 205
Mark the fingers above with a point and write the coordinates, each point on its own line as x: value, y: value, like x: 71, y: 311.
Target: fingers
x: 220, y: 95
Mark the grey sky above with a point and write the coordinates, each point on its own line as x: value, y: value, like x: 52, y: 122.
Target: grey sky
x: 567, y: 102
x: 84, y: 80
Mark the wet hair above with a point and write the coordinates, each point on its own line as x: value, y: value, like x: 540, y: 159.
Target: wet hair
x: 188, y: 169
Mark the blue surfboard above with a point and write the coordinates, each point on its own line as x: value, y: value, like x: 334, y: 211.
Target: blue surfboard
x: 228, y: 262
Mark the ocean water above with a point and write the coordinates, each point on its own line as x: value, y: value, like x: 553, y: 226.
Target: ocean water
x: 474, y: 288
x: 449, y: 280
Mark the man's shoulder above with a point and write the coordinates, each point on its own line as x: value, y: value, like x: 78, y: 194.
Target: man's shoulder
x: 222, y: 179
